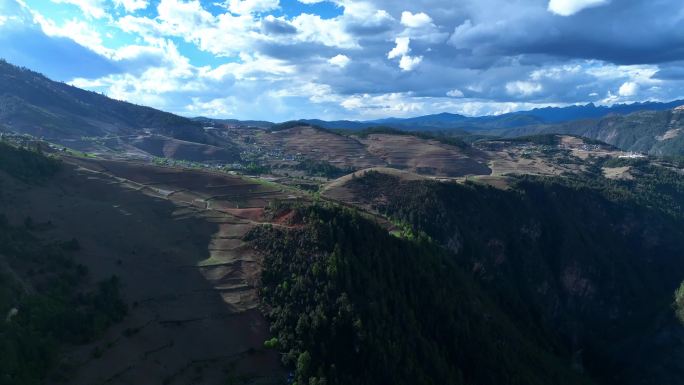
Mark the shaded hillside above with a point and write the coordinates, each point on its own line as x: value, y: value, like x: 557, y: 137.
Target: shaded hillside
x: 590, y: 264
x: 170, y: 237
x: 47, y: 299
x: 33, y: 104
x: 351, y: 304
x: 658, y: 133
x: 26, y: 165
x: 165, y: 147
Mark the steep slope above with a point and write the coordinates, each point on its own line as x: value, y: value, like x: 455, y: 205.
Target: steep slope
x: 658, y: 133
x: 352, y: 304
x: 33, y: 104
x: 171, y: 236
x: 589, y: 264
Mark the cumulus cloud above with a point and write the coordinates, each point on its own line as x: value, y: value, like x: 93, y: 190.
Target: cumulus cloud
x: 371, y: 105
x: 523, y: 88
x: 408, y: 63
x: 571, y: 7
x: 481, y: 56
x: 339, y: 61
x: 455, y: 93
x: 628, y: 89
x: 417, y: 20
x: 400, y: 49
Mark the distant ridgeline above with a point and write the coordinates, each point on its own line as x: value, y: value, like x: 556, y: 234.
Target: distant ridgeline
x: 553, y: 281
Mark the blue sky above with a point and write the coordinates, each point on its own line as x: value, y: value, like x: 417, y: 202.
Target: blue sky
x: 285, y: 59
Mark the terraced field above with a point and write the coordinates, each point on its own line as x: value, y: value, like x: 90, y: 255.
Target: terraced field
x: 317, y: 144
x: 425, y: 156
x: 428, y: 157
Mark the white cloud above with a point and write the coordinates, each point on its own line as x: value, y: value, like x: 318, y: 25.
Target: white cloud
x: 455, y: 93
x: 329, y: 32
x: 522, y: 88
x: 408, y: 63
x: 219, y: 107
x: 401, y: 48
x: 417, y: 20
x: 381, y: 105
x: 253, y: 67
x: 339, y: 60
x: 294, y: 60
x: 628, y: 89
x: 90, y: 8
x: 315, y: 92
x: 132, y: 5
x: 76, y: 30
x: 571, y: 7
x: 242, y: 7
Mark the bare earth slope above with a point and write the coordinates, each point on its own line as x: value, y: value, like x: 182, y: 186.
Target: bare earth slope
x: 406, y: 152
x: 424, y: 156
x: 321, y: 145
x: 174, y: 239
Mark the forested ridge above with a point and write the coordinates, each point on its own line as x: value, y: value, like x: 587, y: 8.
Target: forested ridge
x: 555, y: 280
x: 591, y: 263
x: 351, y: 304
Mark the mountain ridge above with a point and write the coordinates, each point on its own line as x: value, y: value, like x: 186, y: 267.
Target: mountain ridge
x: 451, y: 121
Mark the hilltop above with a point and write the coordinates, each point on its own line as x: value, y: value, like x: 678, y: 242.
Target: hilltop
x: 652, y: 132
x: 32, y: 104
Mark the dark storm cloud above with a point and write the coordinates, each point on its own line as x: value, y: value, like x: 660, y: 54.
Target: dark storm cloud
x: 623, y: 32
x: 672, y: 71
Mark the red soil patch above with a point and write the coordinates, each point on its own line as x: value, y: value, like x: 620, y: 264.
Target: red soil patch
x: 252, y: 214
x: 284, y: 218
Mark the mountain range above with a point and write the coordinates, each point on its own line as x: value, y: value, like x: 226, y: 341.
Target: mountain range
x: 446, y: 250
x: 30, y: 103
x: 456, y: 122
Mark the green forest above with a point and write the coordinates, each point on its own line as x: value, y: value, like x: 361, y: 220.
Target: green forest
x: 351, y: 304
x: 590, y: 263
x: 555, y: 280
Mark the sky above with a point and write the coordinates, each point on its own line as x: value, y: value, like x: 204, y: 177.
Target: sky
x: 279, y: 60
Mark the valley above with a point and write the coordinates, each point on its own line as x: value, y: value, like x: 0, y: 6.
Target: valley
x: 207, y: 251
